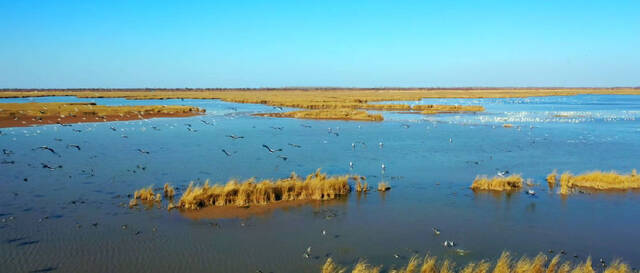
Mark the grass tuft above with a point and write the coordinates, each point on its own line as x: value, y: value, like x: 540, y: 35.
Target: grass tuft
x: 316, y: 186
x: 383, y: 186
x: 598, y: 180
x: 169, y: 191
x: 552, y: 178
x: 497, y: 183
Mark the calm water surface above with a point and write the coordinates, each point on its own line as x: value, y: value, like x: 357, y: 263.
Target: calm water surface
x: 71, y: 219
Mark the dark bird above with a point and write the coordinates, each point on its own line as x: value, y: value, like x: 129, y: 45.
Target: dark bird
x: 77, y: 130
x: 57, y: 139
x: 65, y: 125
x: 305, y: 125
x: 142, y: 151
x: 205, y: 122
x: 155, y: 128
x: 283, y: 157
x: 295, y: 145
x: 73, y: 146
x: 235, y: 137
x: 191, y: 130
x: 45, y: 166
x: 7, y: 152
x: 188, y: 124
x: 113, y: 128
x: 225, y: 152
x: 271, y: 150
x: 277, y: 128
x: 8, y: 162
x: 48, y: 149
x: 404, y: 125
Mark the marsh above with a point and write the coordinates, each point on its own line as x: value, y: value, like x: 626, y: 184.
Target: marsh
x: 72, y: 219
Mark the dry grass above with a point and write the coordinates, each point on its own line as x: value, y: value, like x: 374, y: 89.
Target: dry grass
x: 504, y: 264
x: 383, y: 186
x: 437, y: 109
x: 600, y: 181
x: 497, y: 183
x: 145, y: 194
x: 336, y: 114
x: 38, y: 113
x: 325, y: 99
x: 552, y: 178
x: 168, y: 191
x: 507, y: 125
x: 316, y: 186
x: 361, y: 187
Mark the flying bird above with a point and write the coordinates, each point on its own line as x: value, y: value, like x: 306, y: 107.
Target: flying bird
x: 271, y: 150
x: 74, y: 146
x: 225, y: 152
x: 294, y: 145
x: 283, y: 157
x: 142, y: 151
x: 235, y: 137
x: 48, y: 149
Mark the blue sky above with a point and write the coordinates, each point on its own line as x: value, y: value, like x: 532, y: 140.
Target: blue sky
x: 119, y: 44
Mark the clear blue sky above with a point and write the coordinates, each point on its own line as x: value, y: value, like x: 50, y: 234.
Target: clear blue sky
x: 113, y: 44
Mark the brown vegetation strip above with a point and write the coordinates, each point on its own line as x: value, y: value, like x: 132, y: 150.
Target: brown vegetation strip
x: 328, y: 99
x: 596, y: 180
x: 335, y: 114
x: 505, y: 264
x: 27, y: 114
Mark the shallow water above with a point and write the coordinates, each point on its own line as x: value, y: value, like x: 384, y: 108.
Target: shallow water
x: 47, y: 221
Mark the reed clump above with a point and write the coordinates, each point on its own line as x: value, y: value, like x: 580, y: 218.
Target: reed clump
x: 168, y: 191
x: 504, y: 264
x: 383, y: 186
x: 316, y: 186
x: 361, y: 187
x: 145, y: 194
x: 600, y: 181
x: 497, y: 183
x: 552, y: 178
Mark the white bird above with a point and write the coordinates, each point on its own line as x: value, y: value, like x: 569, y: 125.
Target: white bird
x: 531, y: 192
x: 380, y: 144
x: 324, y: 232
x: 350, y: 165
x: 449, y: 244
x: 436, y: 231
x: 383, y: 167
x: 450, y: 140
x: 353, y: 145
